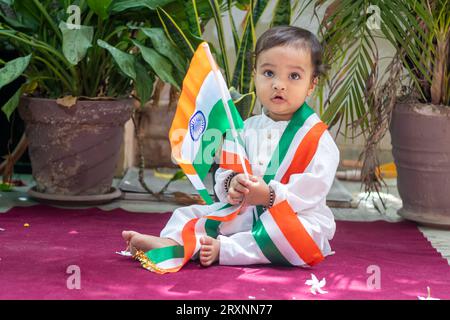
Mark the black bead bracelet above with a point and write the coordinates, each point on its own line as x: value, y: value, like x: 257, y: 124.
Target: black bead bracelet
x: 228, y: 181
x: 271, y: 198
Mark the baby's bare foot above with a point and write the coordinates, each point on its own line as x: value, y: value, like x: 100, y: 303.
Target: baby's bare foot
x: 137, y: 241
x: 209, y: 251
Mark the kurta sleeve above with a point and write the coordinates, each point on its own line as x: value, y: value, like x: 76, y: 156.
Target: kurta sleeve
x: 306, y: 190
x: 219, y: 188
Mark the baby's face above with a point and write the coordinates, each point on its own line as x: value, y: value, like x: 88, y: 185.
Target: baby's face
x: 283, y: 80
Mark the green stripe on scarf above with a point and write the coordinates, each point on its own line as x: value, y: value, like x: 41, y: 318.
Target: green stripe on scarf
x: 266, y: 245
x: 297, y: 121
x: 212, y: 226
x: 161, y: 254
x: 260, y: 234
x: 205, y: 196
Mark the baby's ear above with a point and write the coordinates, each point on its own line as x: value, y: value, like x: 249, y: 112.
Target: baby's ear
x: 314, y: 82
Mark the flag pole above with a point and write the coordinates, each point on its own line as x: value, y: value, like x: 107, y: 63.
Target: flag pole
x: 225, y: 102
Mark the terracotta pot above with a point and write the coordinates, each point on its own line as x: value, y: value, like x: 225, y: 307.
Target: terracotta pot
x: 155, y: 125
x: 420, y: 136
x: 74, y: 151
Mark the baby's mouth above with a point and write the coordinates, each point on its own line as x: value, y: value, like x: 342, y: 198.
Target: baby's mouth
x: 277, y: 99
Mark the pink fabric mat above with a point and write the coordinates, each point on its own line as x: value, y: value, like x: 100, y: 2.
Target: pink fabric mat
x: 34, y: 262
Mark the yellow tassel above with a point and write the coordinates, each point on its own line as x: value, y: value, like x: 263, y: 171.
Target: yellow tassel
x: 146, y: 263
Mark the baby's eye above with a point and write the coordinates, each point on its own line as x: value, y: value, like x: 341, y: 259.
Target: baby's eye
x: 268, y: 73
x: 294, y: 76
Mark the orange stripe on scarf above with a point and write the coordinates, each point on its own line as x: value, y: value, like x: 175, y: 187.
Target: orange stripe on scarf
x: 305, y: 151
x: 295, y: 233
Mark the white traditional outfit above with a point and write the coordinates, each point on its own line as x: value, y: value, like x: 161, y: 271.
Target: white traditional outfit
x: 298, y: 159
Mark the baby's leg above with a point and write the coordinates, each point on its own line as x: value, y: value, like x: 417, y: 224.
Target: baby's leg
x: 137, y: 241
x: 170, y: 235
x: 240, y: 249
x: 183, y: 215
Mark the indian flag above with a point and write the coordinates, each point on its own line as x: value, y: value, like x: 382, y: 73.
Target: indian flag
x: 203, y: 115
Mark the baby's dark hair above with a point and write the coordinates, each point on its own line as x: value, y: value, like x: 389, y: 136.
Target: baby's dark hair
x: 293, y: 36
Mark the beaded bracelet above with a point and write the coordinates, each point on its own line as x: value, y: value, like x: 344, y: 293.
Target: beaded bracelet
x: 271, y: 198
x: 228, y: 181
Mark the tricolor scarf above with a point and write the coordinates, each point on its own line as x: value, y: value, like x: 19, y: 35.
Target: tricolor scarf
x: 278, y: 232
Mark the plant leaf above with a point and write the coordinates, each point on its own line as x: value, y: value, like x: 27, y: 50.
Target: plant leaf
x: 125, y: 61
x: 143, y: 84
x: 163, y: 45
x: 282, y: 15
x: 178, y: 176
x: 124, y: 5
x: 67, y: 101
x: 13, y: 69
x: 176, y: 34
x: 11, y: 105
x: 215, y: 9
x: 100, y: 7
x: 244, y: 103
x: 160, y: 65
x: 76, y: 41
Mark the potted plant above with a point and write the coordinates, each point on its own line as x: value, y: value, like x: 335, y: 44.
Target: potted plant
x: 83, y: 80
x: 411, y: 97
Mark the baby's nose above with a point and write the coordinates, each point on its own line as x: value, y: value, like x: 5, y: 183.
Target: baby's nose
x: 277, y: 85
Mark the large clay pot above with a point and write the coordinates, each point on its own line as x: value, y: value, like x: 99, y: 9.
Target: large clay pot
x: 420, y: 136
x: 74, y: 151
x: 155, y: 125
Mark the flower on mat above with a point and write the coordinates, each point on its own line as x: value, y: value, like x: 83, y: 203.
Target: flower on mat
x: 427, y: 297
x: 316, y: 285
x: 124, y: 253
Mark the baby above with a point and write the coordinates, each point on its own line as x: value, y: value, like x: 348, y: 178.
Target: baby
x: 284, y: 218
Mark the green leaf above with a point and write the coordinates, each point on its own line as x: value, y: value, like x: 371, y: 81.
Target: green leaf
x: 11, y: 105
x: 124, y: 5
x: 244, y: 103
x: 282, y: 15
x: 160, y: 65
x: 163, y: 45
x: 143, y: 84
x: 76, y: 41
x: 178, y: 176
x: 191, y: 10
x: 259, y: 7
x: 176, y: 34
x: 100, y: 7
x: 125, y: 61
x: 6, y: 187
x: 13, y: 69
x: 221, y: 37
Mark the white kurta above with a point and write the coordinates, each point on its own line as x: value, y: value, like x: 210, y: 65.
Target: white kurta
x: 305, y: 192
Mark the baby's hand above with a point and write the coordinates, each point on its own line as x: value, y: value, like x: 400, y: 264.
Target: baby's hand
x: 258, y: 191
x: 237, y: 190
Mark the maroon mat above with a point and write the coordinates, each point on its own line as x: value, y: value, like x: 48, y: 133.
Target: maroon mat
x: 37, y: 262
